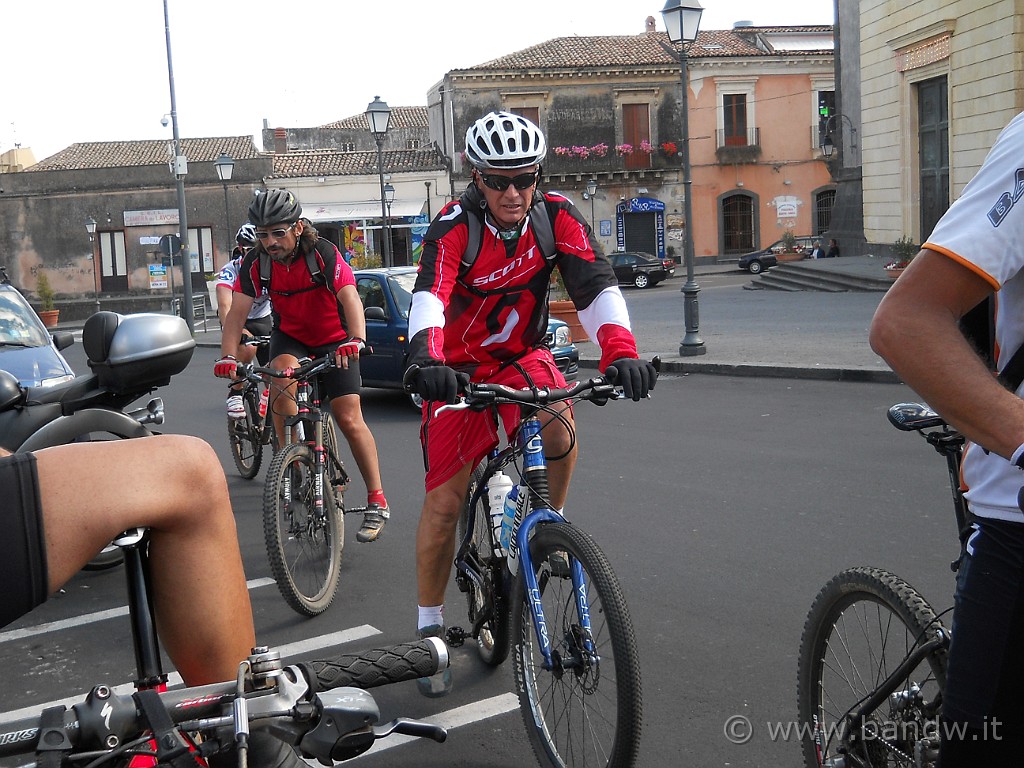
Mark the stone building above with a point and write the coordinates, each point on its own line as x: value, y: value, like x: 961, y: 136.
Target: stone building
x: 610, y: 107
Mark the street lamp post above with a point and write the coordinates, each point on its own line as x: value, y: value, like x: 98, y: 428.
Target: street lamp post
x: 225, y: 167
x: 682, y: 19
x: 591, y: 191
x: 389, y: 198
x: 428, y: 200
x: 179, y: 167
x: 378, y: 115
x: 90, y: 227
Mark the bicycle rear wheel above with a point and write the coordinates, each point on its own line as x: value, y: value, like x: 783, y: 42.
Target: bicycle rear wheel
x: 861, y: 627
x: 304, y: 542
x: 588, y: 709
x: 492, y: 641
x: 244, y: 438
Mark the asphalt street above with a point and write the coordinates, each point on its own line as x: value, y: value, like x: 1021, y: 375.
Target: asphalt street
x: 723, y: 503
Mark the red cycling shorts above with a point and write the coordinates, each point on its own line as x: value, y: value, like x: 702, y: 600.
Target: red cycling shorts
x: 453, y: 439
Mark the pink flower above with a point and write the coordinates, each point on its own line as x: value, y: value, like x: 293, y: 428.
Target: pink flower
x: 599, y: 150
x: 645, y: 146
x: 624, y: 149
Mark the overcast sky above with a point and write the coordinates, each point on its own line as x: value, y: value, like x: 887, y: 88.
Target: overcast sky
x: 97, y: 71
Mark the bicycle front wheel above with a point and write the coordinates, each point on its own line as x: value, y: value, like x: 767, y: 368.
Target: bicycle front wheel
x: 489, y: 600
x: 588, y: 709
x: 303, y: 539
x: 246, y: 446
x: 863, y: 624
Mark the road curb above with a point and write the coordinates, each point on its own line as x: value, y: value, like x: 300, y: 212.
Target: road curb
x: 823, y: 373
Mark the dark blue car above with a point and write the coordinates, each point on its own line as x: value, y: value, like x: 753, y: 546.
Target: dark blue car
x: 386, y: 295
x: 27, y: 349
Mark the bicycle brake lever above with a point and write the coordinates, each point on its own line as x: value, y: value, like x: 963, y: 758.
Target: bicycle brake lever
x: 409, y: 727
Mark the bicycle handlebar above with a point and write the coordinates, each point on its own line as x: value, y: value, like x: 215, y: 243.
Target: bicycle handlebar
x: 322, y: 726
x: 600, y: 388
x: 307, y: 367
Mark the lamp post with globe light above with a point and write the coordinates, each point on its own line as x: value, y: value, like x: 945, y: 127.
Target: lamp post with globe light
x: 591, y: 191
x: 90, y: 227
x: 682, y: 20
x: 378, y: 115
x: 225, y: 166
x: 389, y: 198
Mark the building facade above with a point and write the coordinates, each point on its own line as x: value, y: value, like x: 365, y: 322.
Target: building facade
x: 939, y: 81
x: 610, y: 107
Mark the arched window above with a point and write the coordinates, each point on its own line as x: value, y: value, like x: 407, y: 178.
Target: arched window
x: 738, y: 228
x: 824, y: 200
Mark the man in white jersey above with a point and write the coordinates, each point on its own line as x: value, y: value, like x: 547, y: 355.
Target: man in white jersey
x: 976, y: 251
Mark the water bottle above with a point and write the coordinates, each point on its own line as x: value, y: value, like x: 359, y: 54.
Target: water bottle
x: 497, y: 489
x: 512, y: 502
x: 264, y: 399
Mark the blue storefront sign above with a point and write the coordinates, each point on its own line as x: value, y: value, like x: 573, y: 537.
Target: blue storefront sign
x: 641, y: 205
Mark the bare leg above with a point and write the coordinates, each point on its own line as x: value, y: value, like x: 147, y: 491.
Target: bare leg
x: 349, y: 415
x: 556, y: 443
x: 282, y: 395
x: 435, y: 536
x: 174, y: 485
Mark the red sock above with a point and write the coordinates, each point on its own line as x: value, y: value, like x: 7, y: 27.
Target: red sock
x: 376, y: 497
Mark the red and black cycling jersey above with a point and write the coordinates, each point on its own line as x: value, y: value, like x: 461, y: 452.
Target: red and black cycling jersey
x: 497, y: 309
x: 305, y: 309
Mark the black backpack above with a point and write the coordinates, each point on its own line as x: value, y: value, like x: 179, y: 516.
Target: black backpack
x: 312, y: 262
x: 978, y: 325
x: 541, y: 220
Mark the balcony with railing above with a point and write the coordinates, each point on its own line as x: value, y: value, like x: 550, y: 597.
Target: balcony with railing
x: 623, y: 160
x: 737, y: 146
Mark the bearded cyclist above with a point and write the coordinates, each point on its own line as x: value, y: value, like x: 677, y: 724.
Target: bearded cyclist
x: 487, y: 323
x: 316, y: 311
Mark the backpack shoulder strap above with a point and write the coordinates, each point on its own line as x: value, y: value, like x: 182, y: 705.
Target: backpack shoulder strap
x: 265, y: 271
x: 542, y: 221
x: 314, y: 264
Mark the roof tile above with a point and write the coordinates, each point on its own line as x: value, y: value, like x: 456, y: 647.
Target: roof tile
x: 120, y: 154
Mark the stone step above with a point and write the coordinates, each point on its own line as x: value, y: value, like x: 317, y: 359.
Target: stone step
x: 796, y: 277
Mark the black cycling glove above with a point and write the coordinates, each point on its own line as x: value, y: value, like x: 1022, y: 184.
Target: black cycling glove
x: 636, y: 377
x: 435, y: 382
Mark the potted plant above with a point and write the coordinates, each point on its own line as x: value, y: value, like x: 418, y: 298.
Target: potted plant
x: 790, y: 252
x: 561, y: 306
x: 48, y: 313
x: 903, y: 250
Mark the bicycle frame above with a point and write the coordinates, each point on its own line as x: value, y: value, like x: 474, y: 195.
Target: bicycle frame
x: 529, y: 443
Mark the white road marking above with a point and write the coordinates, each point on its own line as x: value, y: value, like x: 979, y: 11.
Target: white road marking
x: 452, y: 718
x: 90, y: 618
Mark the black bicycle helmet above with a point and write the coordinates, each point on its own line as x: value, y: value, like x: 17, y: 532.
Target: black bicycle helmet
x: 275, y: 206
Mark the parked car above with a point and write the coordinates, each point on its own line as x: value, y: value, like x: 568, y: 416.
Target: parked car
x: 386, y: 295
x: 758, y: 261
x: 27, y: 349
x: 636, y: 268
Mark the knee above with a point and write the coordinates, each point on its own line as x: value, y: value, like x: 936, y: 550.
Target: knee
x: 443, y: 505
x: 192, y: 464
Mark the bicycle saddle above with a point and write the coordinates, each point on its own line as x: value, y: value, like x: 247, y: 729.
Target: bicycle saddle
x: 909, y: 417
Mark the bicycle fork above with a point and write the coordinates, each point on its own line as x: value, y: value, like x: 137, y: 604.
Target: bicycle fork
x: 535, y: 479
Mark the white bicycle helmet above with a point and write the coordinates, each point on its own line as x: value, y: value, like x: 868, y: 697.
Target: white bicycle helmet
x: 504, y: 140
x: 246, y: 234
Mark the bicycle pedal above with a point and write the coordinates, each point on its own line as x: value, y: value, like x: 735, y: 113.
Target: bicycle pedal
x: 455, y: 636
x: 355, y: 510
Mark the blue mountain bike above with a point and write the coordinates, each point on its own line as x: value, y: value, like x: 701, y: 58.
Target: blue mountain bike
x: 551, y: 598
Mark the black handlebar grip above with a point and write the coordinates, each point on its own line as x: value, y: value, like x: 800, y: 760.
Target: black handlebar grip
x: 381, y: 666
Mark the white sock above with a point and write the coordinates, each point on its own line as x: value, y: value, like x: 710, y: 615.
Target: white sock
x: 430, y: 614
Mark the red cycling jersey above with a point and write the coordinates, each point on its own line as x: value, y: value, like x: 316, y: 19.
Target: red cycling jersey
x: 498, y: 309
x: 306, y: 310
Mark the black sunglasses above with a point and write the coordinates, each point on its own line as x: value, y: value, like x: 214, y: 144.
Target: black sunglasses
x: 521, y: 182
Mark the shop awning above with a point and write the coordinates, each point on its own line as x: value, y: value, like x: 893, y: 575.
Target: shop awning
x: 356, y: 212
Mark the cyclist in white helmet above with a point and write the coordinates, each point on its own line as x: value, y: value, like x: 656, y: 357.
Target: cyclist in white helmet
x: 259, y: 321
x: 487, y: 323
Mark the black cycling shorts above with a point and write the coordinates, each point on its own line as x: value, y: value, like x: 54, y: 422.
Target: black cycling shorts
x: 336, y: 381
x: 983, y: 721
x: 261, y: 326
x: 23, y: 570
